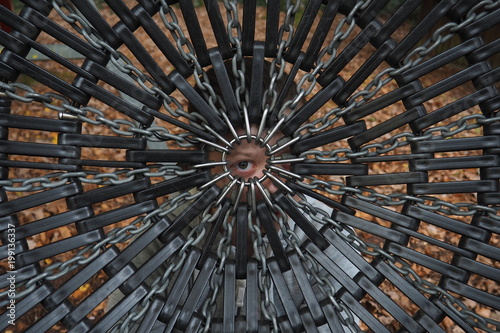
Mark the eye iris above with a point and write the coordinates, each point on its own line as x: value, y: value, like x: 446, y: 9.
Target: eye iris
x: 243, y: 165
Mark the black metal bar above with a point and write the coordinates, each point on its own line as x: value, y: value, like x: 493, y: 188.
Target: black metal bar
x: 196, y: 295
x: 37, y: 199
x: 460, y: 144
x: 301, y: 221
x: 407, y: 9
x: 195, y: 32
x: 181, y: 124
x: 311, y: 106
x: 50, y: 222
x: 199, y: 103
x: 426, y: 261
x: 329, y: 202
x: 484, y: 51
x: 447, y: 223
x: 349, y: 258
x: 421, y: 301
x: 302, y: 31
x: 242, y: 234
x: 151, y: 265
x: 386, y: 127
x: 368, y: 67
x: 179, y: 288
x: 133, y: 249
x: 228, y: 322
x: 43, y: 76
x: 98, y: 22
x: 50, y: 319
x: 248, y: 28
x: 22, y: 273
x: 122, y: 84
x: 56, y: 57
x: 471, y: 186
x: 167, y: 155
x: 479, y: 268
x: 285, y: 296
x: 114, y: 101
x: 19, y: 23
x: 38, y: 149
x: 447, y: 84
x: 115, y: 216
x: 252, y: 297
x: 349, y: 52
x: 304, y: 284
x: 219, y: 28
x: 325, y: 137
x: 117, y: 312
x: 332, y: 317
x: 213, y: 233
x: 271, y: 233
x: 26, y: 304
x: 420, y: 30
x: 440, y: 60
x: 370, y: 13
x: 256, y: 88
x: 175, y: 184
x: 272, y: 22
x: 106, y: 193
x: 330, y: 169
x: 150, y: 318
x: 58, y: 296
x: 380, y: 212
x: 484, y: 23
x: 143, y: 56
x: 387, y: 179
x: 52, y: 249
x: 39, y: 124
x: 373, y: 228
x: 381, y: 102
x: 227, y: 90
x: 101, y: 141
x: 186, y: 216
x: 453, y: 108
x: 463, y: 162
x: 66, y: 37
x: 285, y: 91
x: 320, y: 34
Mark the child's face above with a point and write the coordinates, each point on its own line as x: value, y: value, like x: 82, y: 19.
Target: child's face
x: 247, y: 160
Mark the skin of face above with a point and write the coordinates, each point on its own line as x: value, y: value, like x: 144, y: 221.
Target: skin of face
x: 247, y: 160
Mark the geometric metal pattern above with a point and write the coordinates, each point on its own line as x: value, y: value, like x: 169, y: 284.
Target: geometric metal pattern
x: 377, y: 210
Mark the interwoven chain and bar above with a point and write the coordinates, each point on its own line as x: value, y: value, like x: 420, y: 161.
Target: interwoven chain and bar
x: 394, y: 196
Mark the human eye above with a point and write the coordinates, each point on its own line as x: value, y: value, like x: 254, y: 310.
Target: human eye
x: 242, y: 166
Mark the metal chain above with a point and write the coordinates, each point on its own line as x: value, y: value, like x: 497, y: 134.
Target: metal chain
x: 93, y: 116
x: 117, y: 177
x: 412, y: 59
x: 399, y: 199
x: 91, y: 251
x: 453, y: 129
x: 404, y: 268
